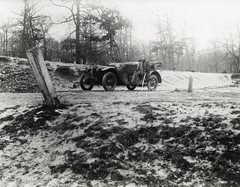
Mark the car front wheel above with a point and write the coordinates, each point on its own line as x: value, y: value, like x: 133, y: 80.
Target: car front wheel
x: 83, y: 85
x: 109, y: 81
x: 152, y: 83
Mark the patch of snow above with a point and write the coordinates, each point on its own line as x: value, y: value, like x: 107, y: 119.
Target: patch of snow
x: 176, y: 79
x: 190, y: 159
x: 162, y: 173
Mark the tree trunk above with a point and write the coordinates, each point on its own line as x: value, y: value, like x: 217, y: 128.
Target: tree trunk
x: 78, y: 51
x: 111, y: 46
x: 23, y: 51
x: 45, y: 47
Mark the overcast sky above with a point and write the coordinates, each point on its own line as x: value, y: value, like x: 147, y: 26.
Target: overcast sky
x: 206, y: 19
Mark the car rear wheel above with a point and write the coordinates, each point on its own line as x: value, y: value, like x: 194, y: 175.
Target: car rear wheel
x: 109, y: 81
x: 83, y: 85
x: 152, y: 83
x: 131, y: 87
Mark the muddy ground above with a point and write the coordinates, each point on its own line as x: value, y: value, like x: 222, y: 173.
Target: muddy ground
x: 122, y: 138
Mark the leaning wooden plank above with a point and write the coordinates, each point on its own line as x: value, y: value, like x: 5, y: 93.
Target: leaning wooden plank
x: 42, y: 76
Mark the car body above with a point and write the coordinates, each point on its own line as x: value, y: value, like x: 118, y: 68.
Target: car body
x: 130, y: 74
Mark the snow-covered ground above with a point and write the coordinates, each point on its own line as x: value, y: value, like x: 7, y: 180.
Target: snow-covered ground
x: 179, y: 80
x: 125, y: 138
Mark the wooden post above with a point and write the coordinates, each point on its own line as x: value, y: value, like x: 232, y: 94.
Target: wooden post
x: 190, y: 84
x: 42, y: 76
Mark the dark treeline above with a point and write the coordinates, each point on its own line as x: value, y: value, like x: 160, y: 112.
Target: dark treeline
x: 100, y: 35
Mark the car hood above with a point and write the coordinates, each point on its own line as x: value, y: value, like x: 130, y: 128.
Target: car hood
x: 118, y: 64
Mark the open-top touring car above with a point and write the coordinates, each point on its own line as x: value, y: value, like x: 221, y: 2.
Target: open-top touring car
x: 132, y: 74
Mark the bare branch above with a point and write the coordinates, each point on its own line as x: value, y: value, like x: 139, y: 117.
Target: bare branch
x: 70, y: 9
x: 71, y: 34
x: 63, y: 6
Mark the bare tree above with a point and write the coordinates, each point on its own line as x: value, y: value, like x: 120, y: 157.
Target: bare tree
x: 190, y: 50
x: 169, y: 44
x: 4, y: 37
x: 74, y: 17
x: 31, y: 28
x: 231, y: 46
x: 216, y: 54
x: 124, y: 41
x: 45, y: 23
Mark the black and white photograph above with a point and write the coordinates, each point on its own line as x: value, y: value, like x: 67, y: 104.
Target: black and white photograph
x: 119, y: 93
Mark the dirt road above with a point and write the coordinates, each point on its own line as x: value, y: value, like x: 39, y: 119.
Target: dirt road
x: 226, y: 94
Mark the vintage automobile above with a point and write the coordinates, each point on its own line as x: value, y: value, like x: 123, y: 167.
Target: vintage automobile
x: 131, y: 74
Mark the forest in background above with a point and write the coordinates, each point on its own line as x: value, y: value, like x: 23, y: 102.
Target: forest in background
x: 100, y: 35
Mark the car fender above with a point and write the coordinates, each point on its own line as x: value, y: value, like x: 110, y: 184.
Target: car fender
x: 158, y: 76
x: 113, y: 69
x: 107, y: 68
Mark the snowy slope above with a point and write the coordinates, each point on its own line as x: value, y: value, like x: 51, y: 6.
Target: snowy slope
x: 179, y: 80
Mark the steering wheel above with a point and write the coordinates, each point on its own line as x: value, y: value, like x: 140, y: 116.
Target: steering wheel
x: 116, y: 59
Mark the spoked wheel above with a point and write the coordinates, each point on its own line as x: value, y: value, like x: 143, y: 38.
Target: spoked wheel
x: 83, y: 85
x: 152, y: 83
x: 109, y: 81
x: 131, y: 87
